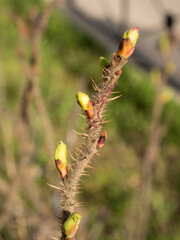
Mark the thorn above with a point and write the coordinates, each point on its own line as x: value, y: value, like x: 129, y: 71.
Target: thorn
x: 79, y: 204
x: 78, y: 150
x: 76, y: 154
x: 105, y: 70
x: 72, y: 156
x: 116, y: 92
x: 72, y: 204
x: 90, y: 167
x: 105, y: 110
x: 95, y: 86
x: 82, y: 116
x: 84, y: 127
x: 80, y: 181
x: 80, y: 187
x: 76, y: 132
x: 111, y: 99
x: 78, y: 192
x: 53, y: 186
x: 81, y: 134
x: 107, y: 121
x: 95, y: 89
x: 85, y: 174
x: 61, y: 183
x: 54, y: 238
x: 98, y: 154
x: 84, y: 171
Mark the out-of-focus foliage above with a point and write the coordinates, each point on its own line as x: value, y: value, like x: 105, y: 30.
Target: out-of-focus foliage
x: 67, y: 55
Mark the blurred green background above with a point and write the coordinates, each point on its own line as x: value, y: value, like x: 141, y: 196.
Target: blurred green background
x: 68, y: 58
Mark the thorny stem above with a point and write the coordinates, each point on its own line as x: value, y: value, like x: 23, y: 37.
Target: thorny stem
x: 69, y: 186
x: 104, y: 101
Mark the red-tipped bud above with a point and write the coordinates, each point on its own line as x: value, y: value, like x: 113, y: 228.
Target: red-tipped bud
x: 60, y: 156
x: 85, y: 103
x: 128, y: 42
x: 102, y: 139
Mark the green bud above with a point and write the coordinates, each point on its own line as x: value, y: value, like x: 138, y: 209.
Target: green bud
x: 103, y: 62
x: 71, y: 225
x: 128, y: 42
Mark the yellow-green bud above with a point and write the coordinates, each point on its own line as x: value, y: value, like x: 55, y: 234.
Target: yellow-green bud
x: 85, y: 103
x: 61, y: 152
x: 60, y: 156
x: 71, y: 225
x: 128, y: 42
x: 83, y: 100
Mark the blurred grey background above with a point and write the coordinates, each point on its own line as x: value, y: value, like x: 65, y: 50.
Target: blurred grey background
x: 106, y: 20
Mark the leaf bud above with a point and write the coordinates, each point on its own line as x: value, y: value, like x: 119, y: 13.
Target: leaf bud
x: 128, y: 42
x: 85, y: 103
x: 71, y: 225
x: 103, y: 62
x: 60, y: 156
x: 102, y: 139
